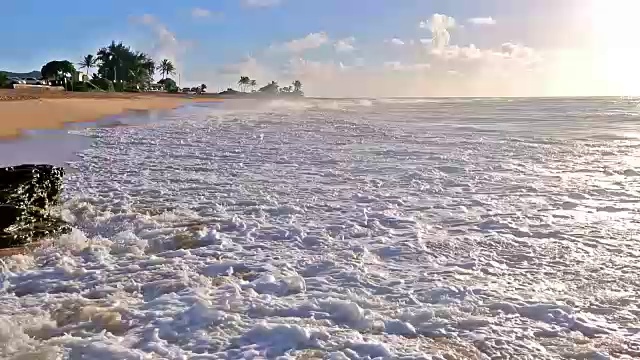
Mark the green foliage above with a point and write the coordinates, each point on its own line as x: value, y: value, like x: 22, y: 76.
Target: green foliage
x: 169, y: 85
x: 118, y: 62
x: 88, y: 62
x: 244, y: 82
x: 4, y: 80
x: 166, y: 68
x: 57, y: 69
x: 131, y: 88
x: 77, y: 86
x: 102, y: 83
x: 119, y: 86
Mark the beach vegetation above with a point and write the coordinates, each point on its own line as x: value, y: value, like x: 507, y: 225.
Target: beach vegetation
x: 271, y: 88
x: 88, y: 62
x: 57, y: 70
x: 102, y: 83
x: 78, y: 86
x: 120, y: 64
x: 169, y: 85
x: 118, y: 68
x: 4, y: 80
x: 244, y: 82
x: 166, y: 68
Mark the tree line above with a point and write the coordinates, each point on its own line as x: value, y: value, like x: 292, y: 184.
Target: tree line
x: 120, y: 68
x: 273, y: 87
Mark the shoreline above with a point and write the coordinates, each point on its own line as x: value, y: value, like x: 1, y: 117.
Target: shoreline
x: 39, y: 110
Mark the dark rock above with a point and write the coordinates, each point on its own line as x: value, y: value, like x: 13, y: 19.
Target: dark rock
x: 27, y: 194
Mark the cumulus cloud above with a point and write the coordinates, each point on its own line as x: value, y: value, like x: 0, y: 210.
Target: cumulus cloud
x: 345, y: 45
x: 458, y: 52
x: 261, y: 3
x: 516, y: 51
x: 311, y: 41
x: 439, y: 26
x: 444, y: 69
x: 482, y: 21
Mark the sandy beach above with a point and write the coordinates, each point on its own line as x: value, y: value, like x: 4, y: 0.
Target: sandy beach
x: 49, y: 110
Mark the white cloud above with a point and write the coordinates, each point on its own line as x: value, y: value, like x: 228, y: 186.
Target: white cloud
x: 345, y: 45
x: 482, y: 21
x: 311, y: 41
x: 458, y: 52
x: 445, y: 69
x: 200, y: 13
x: 461, y: 70
x: 261, y: 3
x: 165, y: 44
x: 517, y: 51
x: 439, y: 26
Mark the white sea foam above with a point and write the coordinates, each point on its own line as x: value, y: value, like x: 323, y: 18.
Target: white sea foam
x: 342, y: 229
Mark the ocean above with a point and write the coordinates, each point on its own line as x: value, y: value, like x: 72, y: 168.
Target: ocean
x: 343, y: 229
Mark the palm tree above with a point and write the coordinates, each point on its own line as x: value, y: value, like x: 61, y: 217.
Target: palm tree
x: 166, y: 67
x: 119, y: 62
x: 89, y: 62
x: 253, y: 84
x: 297, y: 85
x: 114, y: 60
x: 243, y: 82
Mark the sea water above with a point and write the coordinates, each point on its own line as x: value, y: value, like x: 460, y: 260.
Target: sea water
x: 343, y: 229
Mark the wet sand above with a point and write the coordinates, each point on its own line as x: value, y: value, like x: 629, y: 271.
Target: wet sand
x: 21, y: 110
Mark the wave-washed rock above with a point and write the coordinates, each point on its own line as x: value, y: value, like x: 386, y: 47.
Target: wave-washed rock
x: 27, y: 195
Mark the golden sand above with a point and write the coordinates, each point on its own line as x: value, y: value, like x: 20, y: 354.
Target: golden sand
x: 31, y: 110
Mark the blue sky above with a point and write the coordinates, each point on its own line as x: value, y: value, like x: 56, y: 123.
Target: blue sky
x: 382, y: 43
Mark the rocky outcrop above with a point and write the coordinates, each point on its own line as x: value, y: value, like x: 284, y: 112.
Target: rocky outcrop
x: 27, y: 195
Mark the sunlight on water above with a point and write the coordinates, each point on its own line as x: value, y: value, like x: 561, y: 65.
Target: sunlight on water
x: 343, y: 229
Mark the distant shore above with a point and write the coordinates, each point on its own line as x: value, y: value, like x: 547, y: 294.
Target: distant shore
x: 24, y: 109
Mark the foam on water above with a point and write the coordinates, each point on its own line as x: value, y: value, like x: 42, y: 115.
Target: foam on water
x: 342, y: 230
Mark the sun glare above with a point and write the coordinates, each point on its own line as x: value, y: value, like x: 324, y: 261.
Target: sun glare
x: 616, y: 29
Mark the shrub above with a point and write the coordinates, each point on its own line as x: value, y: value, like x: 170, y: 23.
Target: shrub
x: 131, y: 88
x: 119, y: 86
x: 104, y: 84
x: 169, y: 85
x: 80, y: 86
x: 77, y: 86
x: 4, y: 80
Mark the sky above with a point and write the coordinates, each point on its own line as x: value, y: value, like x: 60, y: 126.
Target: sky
x: 351, y: 48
